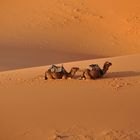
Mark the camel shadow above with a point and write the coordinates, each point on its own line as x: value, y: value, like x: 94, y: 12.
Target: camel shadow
x: 122, y: 74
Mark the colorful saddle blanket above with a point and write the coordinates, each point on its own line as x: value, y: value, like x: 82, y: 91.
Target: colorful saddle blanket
x: 55, y: 68
x: 97, y: 68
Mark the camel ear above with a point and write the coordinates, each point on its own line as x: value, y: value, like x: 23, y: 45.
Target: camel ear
x: 94, y: 65
x: 108, y: 63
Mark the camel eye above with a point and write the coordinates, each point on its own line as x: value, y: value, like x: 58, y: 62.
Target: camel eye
x: 109, y: 63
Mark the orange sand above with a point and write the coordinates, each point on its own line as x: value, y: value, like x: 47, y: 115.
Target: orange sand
x: 35, y: 34
x: 67, y: 30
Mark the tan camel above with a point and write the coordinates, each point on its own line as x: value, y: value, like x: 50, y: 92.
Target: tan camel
x: 96, y: 71
x: 56, y: 72
x: 71, y: 73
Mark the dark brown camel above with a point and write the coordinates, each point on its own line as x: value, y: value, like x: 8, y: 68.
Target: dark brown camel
x: 96, y: 71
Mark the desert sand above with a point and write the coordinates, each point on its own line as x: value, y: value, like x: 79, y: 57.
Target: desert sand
x: 36, y: 34
x: 67, y: 30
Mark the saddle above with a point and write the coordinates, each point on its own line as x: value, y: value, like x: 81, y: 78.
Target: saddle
x: 97, y: 68
x: 55, y: 68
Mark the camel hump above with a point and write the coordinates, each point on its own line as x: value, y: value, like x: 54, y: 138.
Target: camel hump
x: 95, y: 66
x: 55, y: 68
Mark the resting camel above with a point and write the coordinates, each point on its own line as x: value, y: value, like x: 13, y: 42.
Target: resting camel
x: 56, y: 72
x: 96, y: 71
x: 71, y: 73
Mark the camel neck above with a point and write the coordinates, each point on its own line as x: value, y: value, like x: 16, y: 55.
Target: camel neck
x: 71, y: 73
x: 105, y: 69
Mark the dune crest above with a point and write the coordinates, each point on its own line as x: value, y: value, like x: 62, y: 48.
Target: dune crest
x: 76, y: 33
x: 68, y: 30
x: 107, y: 108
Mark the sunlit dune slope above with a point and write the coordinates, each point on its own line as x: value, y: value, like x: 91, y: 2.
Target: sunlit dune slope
x: 31, y: 107
x: 68, y: 30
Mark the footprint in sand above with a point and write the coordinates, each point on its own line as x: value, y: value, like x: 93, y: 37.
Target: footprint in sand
x: 83, y: 134
x: 74, y: 133
x: 118, y: 83
x: 120, y: 135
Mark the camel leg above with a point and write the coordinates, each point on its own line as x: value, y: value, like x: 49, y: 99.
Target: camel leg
x: 64, y: 77
x: 82, y: 77
x: 87, y: 75
x: 48, y: 76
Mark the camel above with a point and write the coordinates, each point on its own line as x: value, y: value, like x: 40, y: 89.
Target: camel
x: 96, y: 71
x: 56, y: 72
x: 71, y: 73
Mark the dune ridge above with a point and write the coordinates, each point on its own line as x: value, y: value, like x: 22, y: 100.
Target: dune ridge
x: 35, y: 34
x: 107, y: 108
x: 91, y: 29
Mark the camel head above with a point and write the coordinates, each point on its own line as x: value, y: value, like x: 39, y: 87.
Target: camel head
x: 75, y: 69
x: 106, y: 66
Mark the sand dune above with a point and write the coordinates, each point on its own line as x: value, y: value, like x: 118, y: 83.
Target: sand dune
x: 108, y: 108
x: 35, y: 34
x: 90, y: 29
x: 17, y: 58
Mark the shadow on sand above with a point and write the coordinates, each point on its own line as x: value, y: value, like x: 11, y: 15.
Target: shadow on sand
x: 122, y: 74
